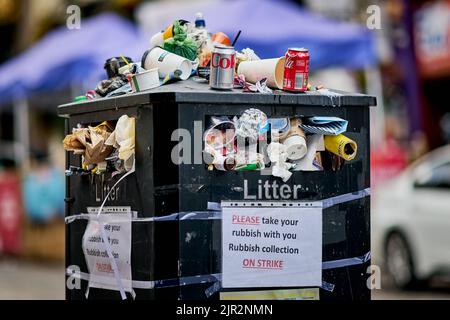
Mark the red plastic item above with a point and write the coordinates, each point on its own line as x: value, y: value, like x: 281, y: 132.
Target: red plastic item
x: 10, y: 213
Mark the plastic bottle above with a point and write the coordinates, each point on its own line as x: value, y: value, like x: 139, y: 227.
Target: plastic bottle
x: 199, y: 21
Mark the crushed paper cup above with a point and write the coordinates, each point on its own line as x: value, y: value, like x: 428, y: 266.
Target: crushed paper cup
x: 272, y: 69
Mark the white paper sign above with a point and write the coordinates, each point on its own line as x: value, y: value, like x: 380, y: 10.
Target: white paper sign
x: 117, y: 226
x: 264, y: 246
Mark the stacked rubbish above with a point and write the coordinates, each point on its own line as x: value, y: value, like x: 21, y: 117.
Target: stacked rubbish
x: 254, y: 142
x: 107, y: 147
x: 249, y: 142
x: 188, y: 50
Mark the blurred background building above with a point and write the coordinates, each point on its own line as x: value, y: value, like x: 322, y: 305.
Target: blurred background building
x: 411, y: 78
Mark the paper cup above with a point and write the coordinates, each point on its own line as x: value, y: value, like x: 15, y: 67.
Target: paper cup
x: 272, y: 69
x: 145, y: 80
x: 295, y: 141
x: 167, y: 62
x: 295, y: 147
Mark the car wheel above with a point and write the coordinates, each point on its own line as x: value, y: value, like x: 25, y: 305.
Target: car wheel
x: 399, y: 262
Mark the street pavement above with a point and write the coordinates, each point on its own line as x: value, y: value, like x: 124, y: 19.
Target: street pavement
x: 393, y: 294
x: 25, y: 280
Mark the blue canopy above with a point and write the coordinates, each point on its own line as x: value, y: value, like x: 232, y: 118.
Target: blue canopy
x: 66, y: 57
x: 270, y: 27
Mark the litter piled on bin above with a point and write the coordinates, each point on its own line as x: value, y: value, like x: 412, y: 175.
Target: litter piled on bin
x: 185, y: 49
x: 255, y: 142
x: 249, y: 142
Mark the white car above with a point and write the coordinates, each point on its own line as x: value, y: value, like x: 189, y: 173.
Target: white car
x: 411, y: 221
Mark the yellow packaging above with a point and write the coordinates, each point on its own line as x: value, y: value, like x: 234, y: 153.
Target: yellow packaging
x: 342, y: 146
x: 288, y: 294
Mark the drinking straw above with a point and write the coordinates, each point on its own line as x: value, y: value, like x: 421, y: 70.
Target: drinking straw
x: 123, y: 58
x: 236, y: 38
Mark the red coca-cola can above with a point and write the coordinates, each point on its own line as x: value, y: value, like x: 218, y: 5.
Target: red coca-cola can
x: 296, y: 70
x: 223, y: 60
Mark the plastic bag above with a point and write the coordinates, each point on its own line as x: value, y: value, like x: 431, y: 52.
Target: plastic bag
x: 123, y: 137
x: 181, y: 44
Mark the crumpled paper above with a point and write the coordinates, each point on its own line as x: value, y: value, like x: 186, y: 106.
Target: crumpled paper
x: 76, y: 142
x: 123, y: 137
x: 258, y: 87
x: 278, y: 157
x: 251, y: 124
x: 90, y: 142
x: 246, y: 54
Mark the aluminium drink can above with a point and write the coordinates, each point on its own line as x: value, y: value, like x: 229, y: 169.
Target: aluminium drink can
x: 223, y: 60
x: 296, y: 70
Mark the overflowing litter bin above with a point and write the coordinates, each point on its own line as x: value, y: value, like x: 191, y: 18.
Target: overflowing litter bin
x: 170, y: 244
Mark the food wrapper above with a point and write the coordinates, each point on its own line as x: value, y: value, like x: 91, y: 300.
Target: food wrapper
x: 90, y: 142
x: 341, y: 146
x: 76, y: 142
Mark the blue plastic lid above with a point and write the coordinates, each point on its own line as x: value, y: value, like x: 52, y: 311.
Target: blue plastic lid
x: 199, y: 20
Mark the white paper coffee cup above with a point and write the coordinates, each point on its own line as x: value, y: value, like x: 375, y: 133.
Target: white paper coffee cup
x: 295, y: 147
x: 145, y: 80
x: 272, y: 69
x: 167, y: 62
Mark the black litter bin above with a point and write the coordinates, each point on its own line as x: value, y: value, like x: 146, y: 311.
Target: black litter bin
x: 160, y: 251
